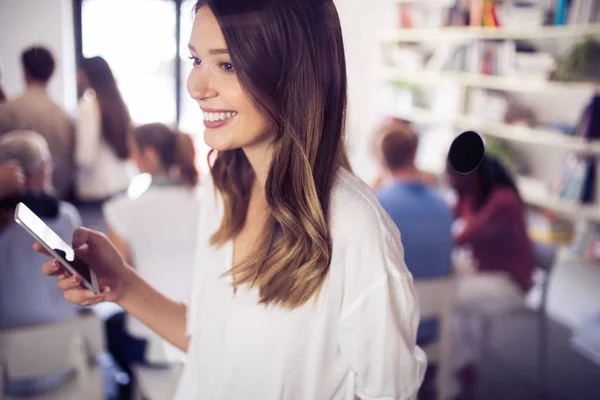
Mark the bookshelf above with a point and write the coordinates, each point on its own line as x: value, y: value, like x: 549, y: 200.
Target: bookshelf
x: 538, y: 197
x: 573, y: 294
x: 465, y: 33
x: 516, y: 133
x: 494, y: 82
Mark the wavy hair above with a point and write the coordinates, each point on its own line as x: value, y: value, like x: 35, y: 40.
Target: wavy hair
x: 289, y: 58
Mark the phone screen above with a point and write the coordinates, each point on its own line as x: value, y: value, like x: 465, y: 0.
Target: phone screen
x: 52, y: 240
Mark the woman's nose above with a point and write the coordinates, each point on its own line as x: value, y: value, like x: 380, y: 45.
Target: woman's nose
x: 200, y: 85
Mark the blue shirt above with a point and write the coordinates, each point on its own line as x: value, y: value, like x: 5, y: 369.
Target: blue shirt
x: 425, y: 221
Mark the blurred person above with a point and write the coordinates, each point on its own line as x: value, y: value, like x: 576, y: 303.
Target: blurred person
x: 383, y: 175
x: 12, y: 179
x: 422, y: 216
x: 36, y: 111
x: 300, y: 288
x: 101, y: 152
x: 26, y: 298
x: 494, y: 231
x: 145, y: 229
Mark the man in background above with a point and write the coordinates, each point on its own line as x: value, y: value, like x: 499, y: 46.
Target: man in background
x: 36, y: 111
x: 422, y: 216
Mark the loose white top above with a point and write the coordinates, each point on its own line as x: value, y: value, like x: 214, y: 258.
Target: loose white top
x: 355, y: 340
x: 160, y: 230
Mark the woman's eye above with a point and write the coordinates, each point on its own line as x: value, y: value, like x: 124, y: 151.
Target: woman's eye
x: 227, y: 67
x: 195, y: 61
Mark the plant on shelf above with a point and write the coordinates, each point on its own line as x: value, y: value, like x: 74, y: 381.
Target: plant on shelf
x: 582, y: 64
x: 506, y: 154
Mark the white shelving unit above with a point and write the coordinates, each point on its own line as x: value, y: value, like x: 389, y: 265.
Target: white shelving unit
x: 511, y: 84
x: 470, y: 33
x: 573, y: 294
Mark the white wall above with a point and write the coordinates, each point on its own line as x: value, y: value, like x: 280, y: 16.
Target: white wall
x: 363, y: 23
x: 45, y: 22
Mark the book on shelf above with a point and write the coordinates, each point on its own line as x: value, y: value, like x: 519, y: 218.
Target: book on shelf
x: 560, y: 13
x: 589, y: 123
x: 576, y: 182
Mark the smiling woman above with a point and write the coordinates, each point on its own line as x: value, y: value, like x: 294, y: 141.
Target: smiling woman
x: 300, y: 289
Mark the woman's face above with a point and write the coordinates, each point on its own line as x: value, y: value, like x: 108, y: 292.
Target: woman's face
x: 230, y: 118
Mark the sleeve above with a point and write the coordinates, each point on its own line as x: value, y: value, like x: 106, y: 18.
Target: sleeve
x: 87, y: 132
x: 119, y: 218
x: 488, y: 219
x: 379, y: 326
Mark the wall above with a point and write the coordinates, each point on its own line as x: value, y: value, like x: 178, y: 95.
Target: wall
x: 45, y: 22
x: 363, y: 23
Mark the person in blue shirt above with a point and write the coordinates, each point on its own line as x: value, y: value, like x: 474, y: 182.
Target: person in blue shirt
x: 422, y: 216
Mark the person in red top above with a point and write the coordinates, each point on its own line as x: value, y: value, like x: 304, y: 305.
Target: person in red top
x: 494, y: 230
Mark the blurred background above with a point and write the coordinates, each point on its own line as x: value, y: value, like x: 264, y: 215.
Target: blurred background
x: 523, y: 74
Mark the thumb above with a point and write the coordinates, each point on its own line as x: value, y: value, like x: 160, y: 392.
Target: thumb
x: 84, y: 236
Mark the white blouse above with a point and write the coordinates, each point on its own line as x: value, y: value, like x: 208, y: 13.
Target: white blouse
x: 153, y: 225
x: 100, y: 173
x: 356, y: 340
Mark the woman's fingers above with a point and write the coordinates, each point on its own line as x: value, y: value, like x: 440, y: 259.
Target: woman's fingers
x: 69, y: 282
x: 40, y: 249
x: 83, y: 297
x: 53, y: 268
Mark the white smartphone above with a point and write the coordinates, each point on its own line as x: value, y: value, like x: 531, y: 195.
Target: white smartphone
x: 56, y: 246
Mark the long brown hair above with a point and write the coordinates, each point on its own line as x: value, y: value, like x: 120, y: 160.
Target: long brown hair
x: 175, y: 150
x: 289, y: 58
x: 116, y: 122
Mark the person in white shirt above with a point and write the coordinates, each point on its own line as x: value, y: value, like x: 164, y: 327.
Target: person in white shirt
x: 300, y: 290
x: 26, y: 297
x: 147, y: 226
x: 103, y: 125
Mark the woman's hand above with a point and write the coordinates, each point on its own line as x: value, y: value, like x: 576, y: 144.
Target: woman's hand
x: 115, y: 277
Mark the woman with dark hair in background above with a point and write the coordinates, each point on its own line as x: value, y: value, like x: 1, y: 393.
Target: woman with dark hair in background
x: 300, y: 290
x: 494, y: 230
x: 146, y: 227
x: 101, y: 152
